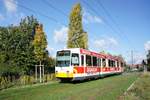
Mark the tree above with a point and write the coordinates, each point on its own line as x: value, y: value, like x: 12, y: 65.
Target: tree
x: 148, y: 57
x: 50, y: 65
x: 39, y: 43
x: 16, y: 49
x: 25, y: 56
x: 76, y: 35
x: 148, y: 60
x: 18, y: 46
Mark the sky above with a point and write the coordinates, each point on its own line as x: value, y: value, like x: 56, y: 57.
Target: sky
x: 114, y: 26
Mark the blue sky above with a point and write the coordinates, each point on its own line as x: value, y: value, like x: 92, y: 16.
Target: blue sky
x: 125, y: 29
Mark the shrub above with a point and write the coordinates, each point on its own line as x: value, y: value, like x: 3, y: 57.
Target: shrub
x: 32, y: 79
x: 6, y: 82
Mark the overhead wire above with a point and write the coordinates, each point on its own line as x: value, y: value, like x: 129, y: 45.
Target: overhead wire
x: 53, y: 7
x: 112, y: 19
x: 108, y: 24
x: 46, y: 2
x: 92, y: 9
x: 39, y: 13
x: 56, y: 21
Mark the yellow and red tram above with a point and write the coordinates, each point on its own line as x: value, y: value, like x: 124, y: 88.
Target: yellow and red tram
x: 79, y: 64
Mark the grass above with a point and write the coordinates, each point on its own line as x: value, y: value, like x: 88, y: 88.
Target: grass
x: 140, y: 90
x: 109, y: 88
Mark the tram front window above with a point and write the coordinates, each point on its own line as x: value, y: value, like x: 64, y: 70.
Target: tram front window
x: 63, y: 59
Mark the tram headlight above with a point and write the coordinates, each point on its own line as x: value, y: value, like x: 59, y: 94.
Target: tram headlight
x: 56, y: 72
x: 74, y: 71
x: 67, y: 72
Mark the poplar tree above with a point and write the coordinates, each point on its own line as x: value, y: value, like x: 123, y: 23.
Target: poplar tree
x: 76, y: 35
x: 39, y: 43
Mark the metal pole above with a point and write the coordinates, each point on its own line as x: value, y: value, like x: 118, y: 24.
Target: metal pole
x: 43, y: 73
x: 132, y: 57
x: 101, y: 65
x: 36, y: 73
x: 145, y: 68
x: 40, y: 72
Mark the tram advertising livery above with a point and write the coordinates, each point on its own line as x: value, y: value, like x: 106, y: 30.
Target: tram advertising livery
x: 79, y: 64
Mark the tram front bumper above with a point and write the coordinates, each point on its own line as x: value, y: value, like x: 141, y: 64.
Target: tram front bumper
x: 63, y: 75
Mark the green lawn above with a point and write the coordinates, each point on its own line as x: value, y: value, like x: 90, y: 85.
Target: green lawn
x: 140, y: 89
x: 109, y: 88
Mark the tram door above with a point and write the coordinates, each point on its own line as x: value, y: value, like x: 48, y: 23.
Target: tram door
x: 83, y: 64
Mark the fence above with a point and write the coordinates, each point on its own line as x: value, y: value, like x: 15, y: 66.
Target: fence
x: 10, y: 81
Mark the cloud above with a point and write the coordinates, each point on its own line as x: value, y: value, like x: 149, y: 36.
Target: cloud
x: 105, y: 43
x: 147, y: 45
x: 11, y: 16
x: 88, y: 18
x: 137, y: 58
x: 10, y: 5
x: 51, y: 51
x: 1, y: 17
x: 60, y: 35
x: 17, y: 18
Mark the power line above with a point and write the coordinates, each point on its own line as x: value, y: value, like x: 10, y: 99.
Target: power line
x: 75, y: 36
x: 101, y: 17
x: 132, y: 56
x: 111, y: 18
x: 36, y: 12
x: 53, y: 7
x: 109, y: 25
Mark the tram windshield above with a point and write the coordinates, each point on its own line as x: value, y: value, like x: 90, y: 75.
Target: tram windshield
x: 63, y: 58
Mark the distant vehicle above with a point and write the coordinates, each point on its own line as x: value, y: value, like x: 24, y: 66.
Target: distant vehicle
x: 79, y: 64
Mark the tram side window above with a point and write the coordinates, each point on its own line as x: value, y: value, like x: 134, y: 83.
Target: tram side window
x: 109, y: 63
x: 88, y: 60
x: 82, y: 60
x: 75, y: 59
x: 121, y: 64
x: 117, y: 64
x: 94, y: 61
x: 113, y: 63
x: 104, y: 62
x: 99, y: 62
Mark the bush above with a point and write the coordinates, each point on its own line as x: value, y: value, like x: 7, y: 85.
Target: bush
x: 148, y: 67
x: 49, y: 77
x: 2, y: 82
x: 140, y: 90
x: 141, y: 69
x: 145, y: 75
x: 6, y: 82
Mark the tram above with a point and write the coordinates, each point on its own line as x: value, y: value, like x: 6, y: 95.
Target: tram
x: 80, y: 64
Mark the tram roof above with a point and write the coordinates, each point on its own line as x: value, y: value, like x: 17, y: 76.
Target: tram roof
x: 93, y: 53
